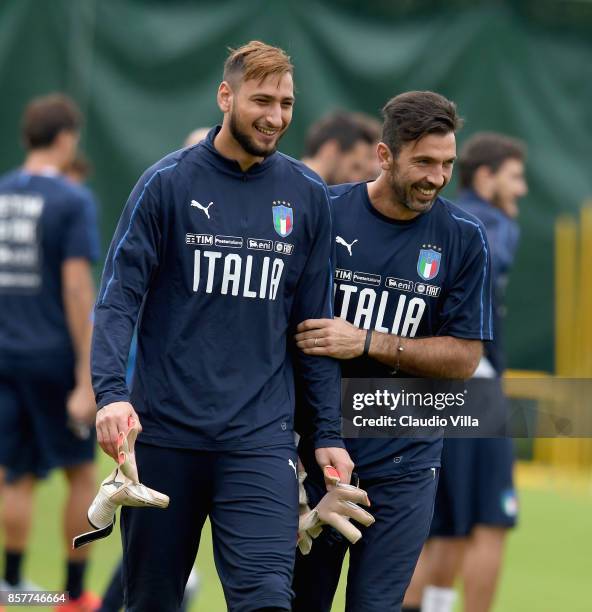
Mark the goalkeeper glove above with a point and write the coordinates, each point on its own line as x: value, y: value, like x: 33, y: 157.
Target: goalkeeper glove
x: 336, y: 508
x: 121, y: 488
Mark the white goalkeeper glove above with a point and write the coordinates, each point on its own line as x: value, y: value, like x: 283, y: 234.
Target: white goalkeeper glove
x: 336, y: 508
x: 121, y: 488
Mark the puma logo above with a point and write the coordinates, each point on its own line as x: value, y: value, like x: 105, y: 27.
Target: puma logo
x: 342, y: 242
x: 206, y: 209
x: 115, y: 483
x: 293, y: 466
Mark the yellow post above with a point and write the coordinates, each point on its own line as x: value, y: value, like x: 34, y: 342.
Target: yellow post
x: 565, y: 296
x: 584, y: 334
x: 553, y: 450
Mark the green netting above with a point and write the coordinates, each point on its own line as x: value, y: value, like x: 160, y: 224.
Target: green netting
x: 146, y: 73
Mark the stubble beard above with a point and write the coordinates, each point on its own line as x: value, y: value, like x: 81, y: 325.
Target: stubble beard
x: 402, y: 195
x: 246, y: 142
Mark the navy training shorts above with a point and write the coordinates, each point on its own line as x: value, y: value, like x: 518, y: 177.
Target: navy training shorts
x: 34, y: 433
x: 251, y: 497
x: 476, y: 486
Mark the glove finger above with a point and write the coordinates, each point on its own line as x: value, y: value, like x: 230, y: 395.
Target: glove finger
x: 352, y: 494
x: 126, y: 451
x: 136, y: 494
x: 356, y: 513
x: 302, y: 496
x: 304, y: 542
x: 345, y: 528
x: 132, y: 434
x: 308, y: 520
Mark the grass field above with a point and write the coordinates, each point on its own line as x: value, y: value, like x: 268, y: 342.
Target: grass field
x: 548, y: 561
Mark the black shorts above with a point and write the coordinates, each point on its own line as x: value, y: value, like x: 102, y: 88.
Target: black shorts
x: 251, y: 497
x: 34, y: 433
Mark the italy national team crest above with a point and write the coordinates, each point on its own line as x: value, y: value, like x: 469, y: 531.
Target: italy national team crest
x: 428, y: 263
x: 283, y: 218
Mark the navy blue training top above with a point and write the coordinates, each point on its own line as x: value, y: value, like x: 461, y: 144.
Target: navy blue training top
x: 425, y: 277
x: 44, y: 220
x: 220, y: 265
x: 503, y: 234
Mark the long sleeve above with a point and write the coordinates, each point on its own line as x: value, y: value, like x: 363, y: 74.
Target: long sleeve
x: 318, y: 378
x: 132, y: 260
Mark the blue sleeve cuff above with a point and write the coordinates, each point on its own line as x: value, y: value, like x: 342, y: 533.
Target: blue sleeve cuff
x: 328, y: 443
x: 111, y: 398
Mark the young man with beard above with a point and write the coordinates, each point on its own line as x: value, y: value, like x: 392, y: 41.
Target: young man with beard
x: 476, y: 501
x: 341, y: 147
x: 222, y: 249
x: 412, y: 299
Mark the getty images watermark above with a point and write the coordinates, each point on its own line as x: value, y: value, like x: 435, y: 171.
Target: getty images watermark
x: 389, y: 400
x: 475, y: 408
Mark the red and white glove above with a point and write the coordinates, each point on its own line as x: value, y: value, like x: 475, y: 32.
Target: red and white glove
x: 121, y: 488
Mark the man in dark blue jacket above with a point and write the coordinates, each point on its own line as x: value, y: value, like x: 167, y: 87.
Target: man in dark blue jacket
x: 412, y: 299
x: 222, y: 249
x: 476, y: 502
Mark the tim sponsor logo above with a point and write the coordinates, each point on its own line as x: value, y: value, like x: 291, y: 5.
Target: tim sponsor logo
x: 365, y: 278
x: 344, y: 275
x: 429, y: 290
x: 398, y: 283
x: 206, y: 239
x: 230, y: 242
x: 260, y: 244
x: 284, y: 247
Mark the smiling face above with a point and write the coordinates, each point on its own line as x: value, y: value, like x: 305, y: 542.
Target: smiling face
x: 421, y: 170
x: 259, y: 112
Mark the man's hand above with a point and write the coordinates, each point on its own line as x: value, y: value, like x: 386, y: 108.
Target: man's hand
x: 81, y: 404
x: 337, y: 457
x: 331, y: 338
x: 111, y: 420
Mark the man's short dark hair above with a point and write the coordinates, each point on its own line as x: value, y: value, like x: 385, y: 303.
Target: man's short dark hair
x: 45, y: 117
x: 415, y: 114
x: 256, y: 60
x: 489, y: 149
x: 345, y: 128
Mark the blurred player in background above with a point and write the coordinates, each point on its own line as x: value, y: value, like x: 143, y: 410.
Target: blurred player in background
x: 476, y: 502
x: 222, y: 249
x: 79, y: 170
x: 341, y: 147
x: 420, y: 307
x: 48, y: 241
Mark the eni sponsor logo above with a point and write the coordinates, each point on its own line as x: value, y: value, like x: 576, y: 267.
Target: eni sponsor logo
x: 260, y: 244
x: 398, y: 283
